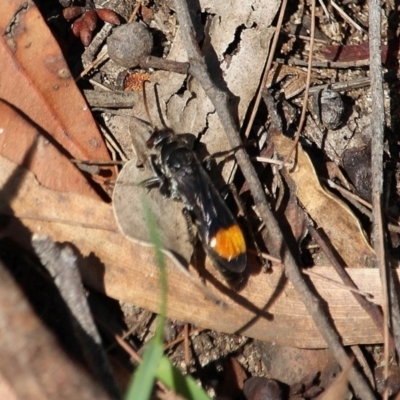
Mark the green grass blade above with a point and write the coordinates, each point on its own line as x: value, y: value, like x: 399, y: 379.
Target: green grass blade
x: 183, y: 385
x: 154, y: 363
x: 143, y: 379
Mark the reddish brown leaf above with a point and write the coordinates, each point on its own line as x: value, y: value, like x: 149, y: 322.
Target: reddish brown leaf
x: 40, y: 84
x: 360, y: 52
x: 90, y: 20
x: 72, y: 12
x: 34, y: 151
x: 77, y: 26
x: 108, y: 15
x: 85, y: 34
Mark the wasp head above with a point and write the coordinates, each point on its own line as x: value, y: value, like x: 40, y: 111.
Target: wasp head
x: 160, y: 137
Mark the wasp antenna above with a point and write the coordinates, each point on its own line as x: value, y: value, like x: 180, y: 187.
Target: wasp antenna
x: 159, y: 107
x: 146, y: 105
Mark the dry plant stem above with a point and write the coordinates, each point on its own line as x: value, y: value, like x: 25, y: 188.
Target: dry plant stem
x: 377, y: 123
x: 347, y: 193
x: 115, y: 99
x: 186, y: 345
x: 357, y: 205
x: 338, y: 284
x: 277, y: 246
x: 135, y: 356
x: 307, y: 39
x: 372, y: 309
x: 61, y: 262
x: 323, y: 6
x: 181, y: 338
x: 93, y: 64
x: 146, y: 316
x: 325, y: 64
x: 91, y: 51
x: 364, y: 364
x: 135, y: 11
x: 346, y: 17
x: 99, y: 85
x: 307, y: 89
x: 267, y: 68
x: 97, y: 162
x: 166, y: 65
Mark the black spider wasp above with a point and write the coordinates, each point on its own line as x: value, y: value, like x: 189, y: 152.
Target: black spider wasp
x: 180, y: 175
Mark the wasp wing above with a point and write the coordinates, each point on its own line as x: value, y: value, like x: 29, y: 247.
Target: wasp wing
x: 218, y: 229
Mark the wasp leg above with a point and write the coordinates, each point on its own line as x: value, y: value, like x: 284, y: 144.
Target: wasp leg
x: 189, y: 225
x: 159, y: 180
x: 155, y: 181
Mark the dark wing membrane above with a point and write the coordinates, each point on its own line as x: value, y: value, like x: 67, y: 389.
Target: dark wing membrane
x: 221, y: 236
x: 202, y: 198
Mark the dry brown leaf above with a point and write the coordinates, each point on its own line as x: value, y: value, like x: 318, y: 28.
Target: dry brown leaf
x: 295, y: 79
x: 290, y: 365
x: 129, y: 201
x: 40, y: 85
x: 268, y: 308
x: 329, y: 213
x: 26, y: 145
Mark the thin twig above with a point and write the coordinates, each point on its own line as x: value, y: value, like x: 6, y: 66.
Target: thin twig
x: 307, y: 38
x: 277, y: 245
x: 135, y: 11
x: 307, y: 89
x: 134, y: 355
x: 377, y: 123
x: 181, y: 338
x: 347, y: 193
x: 267, y: 68
x: 323, y: 6
x: 272, y: 161
x: 372, y: 309
x: 93, y: 64
x: 337, y: 284
x: 346, y: 17
x: 186, y: 346
x: 325, y: 64
x: 91, y: 51
x: 115, y: 99
x: 97, y: 162
x: 361, y: 204
x: 364, y: 364
x: 100, y: 85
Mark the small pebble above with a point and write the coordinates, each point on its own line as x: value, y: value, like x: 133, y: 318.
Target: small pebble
x: 129, y: 44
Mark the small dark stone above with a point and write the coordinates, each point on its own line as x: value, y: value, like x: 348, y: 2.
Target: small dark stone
x: 258, y: 388
x: 130, y: 43
x: 357, y: 164
x: 328, y: 106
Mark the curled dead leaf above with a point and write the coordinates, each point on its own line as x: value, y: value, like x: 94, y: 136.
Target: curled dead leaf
x: 130, y: 201
x: 108, y: 15
x: 72, y: 12
x: 329, y: 212
x: 90, y: 19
